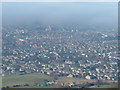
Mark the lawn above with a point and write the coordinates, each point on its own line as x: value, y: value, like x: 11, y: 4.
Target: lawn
x: 108, y: 86
x: 30, y: 79
x: 77, y: 80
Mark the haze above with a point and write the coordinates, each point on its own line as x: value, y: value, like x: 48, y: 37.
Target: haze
x: 90, y: 13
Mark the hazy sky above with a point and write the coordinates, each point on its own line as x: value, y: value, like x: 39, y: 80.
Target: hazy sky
x: 92, y: 13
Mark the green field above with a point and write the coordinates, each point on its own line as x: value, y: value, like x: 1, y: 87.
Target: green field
x: 81, y: 81
x: 107, y: 86
x: 33, y: 79
x: 30, y: 79
x: 77, y: 80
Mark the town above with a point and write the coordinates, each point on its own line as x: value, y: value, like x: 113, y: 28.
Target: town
x: 60, y: 51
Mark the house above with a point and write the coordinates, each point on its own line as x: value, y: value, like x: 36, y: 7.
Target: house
x: 70, y: 75
x: 88, y: 77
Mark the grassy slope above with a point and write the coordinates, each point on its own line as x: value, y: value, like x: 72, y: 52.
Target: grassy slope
x: 77, y: 80
x: 81, y: 81
x: 30, y: 79
x: 107, y: 86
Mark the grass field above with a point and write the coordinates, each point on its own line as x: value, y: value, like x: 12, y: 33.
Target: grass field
x: 81, y: 81
x: 33, y: 79
x: 30, y: 79
x: 106, y: 86
x: 77, y: 80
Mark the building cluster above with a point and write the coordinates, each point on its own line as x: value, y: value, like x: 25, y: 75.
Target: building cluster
x: 65, y: 52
